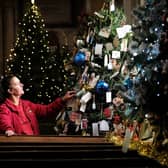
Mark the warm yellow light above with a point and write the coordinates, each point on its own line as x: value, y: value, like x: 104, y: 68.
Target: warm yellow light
x: 32, y: 1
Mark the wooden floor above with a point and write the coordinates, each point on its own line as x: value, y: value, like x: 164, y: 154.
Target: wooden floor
x: 47, y: 151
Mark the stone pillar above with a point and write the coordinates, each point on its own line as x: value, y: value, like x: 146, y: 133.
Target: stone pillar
x: 142, y: 2
x: 1, y: 42
x: 129, y: 5
x: 7, y: 30
x: 92, y: 6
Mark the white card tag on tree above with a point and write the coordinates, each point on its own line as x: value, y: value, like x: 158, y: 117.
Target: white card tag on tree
x: 99, y: 15
x: 114, y: 75
x: 124, y: 44
x: 104, y: 32
x: 105, y: 60
x: 83, y: 107
x: 86, y: 97
x: 127, y: 140
x: 98, y: 49
x: 95, y: 129
x: 108, y: 97
x: 112, y: 6
x: 110, y: 65
x: 116, y: 54
x: 95, y: 65
x: 103, y: 125
x: 122, y: 31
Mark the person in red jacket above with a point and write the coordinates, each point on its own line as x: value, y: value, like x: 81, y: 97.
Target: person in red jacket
x: 19, y: 116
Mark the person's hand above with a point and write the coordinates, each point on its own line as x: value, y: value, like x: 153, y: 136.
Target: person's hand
x: 9, y: 133
x: 69, y: 95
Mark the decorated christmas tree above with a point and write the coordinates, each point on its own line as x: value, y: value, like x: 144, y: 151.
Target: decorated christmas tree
x: 100, y: 63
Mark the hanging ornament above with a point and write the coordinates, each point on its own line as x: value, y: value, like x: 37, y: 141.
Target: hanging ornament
x: 102, y: 87
x: 79, y: 58
x: 93, y: 103
x: 128, y: 83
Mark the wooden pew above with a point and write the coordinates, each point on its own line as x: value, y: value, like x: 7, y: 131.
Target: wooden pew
x: 72, y: 151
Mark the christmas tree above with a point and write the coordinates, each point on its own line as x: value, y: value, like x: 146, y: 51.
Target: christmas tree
x: 38, y: 64
x: 148, y: 51
x: 57, y: 79
x: 100, y: 63
x: 150, y: 57
x: 30, y: 51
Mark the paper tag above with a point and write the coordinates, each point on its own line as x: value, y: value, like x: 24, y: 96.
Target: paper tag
x: 83, y: 107
x: 116, y: 54
x: 127, y: 140
x: 110, y: 65
x: 95, y: 129
x: 105, y: 32
x: 112, y: 6
x: 105, y: 60
x: 103, y: 125
x: 124, y: 44
x: 122, y: 31
x: 99, y: 15
x: 98, y: 49
x: 108, y: 97
x: 86, y: 97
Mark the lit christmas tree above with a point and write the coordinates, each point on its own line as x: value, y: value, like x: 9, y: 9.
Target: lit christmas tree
x: 40, y: 69
x: 31, y: 49
x: 56, y: 79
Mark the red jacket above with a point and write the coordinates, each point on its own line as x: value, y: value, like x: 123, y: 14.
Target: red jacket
x: 9, y: 119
